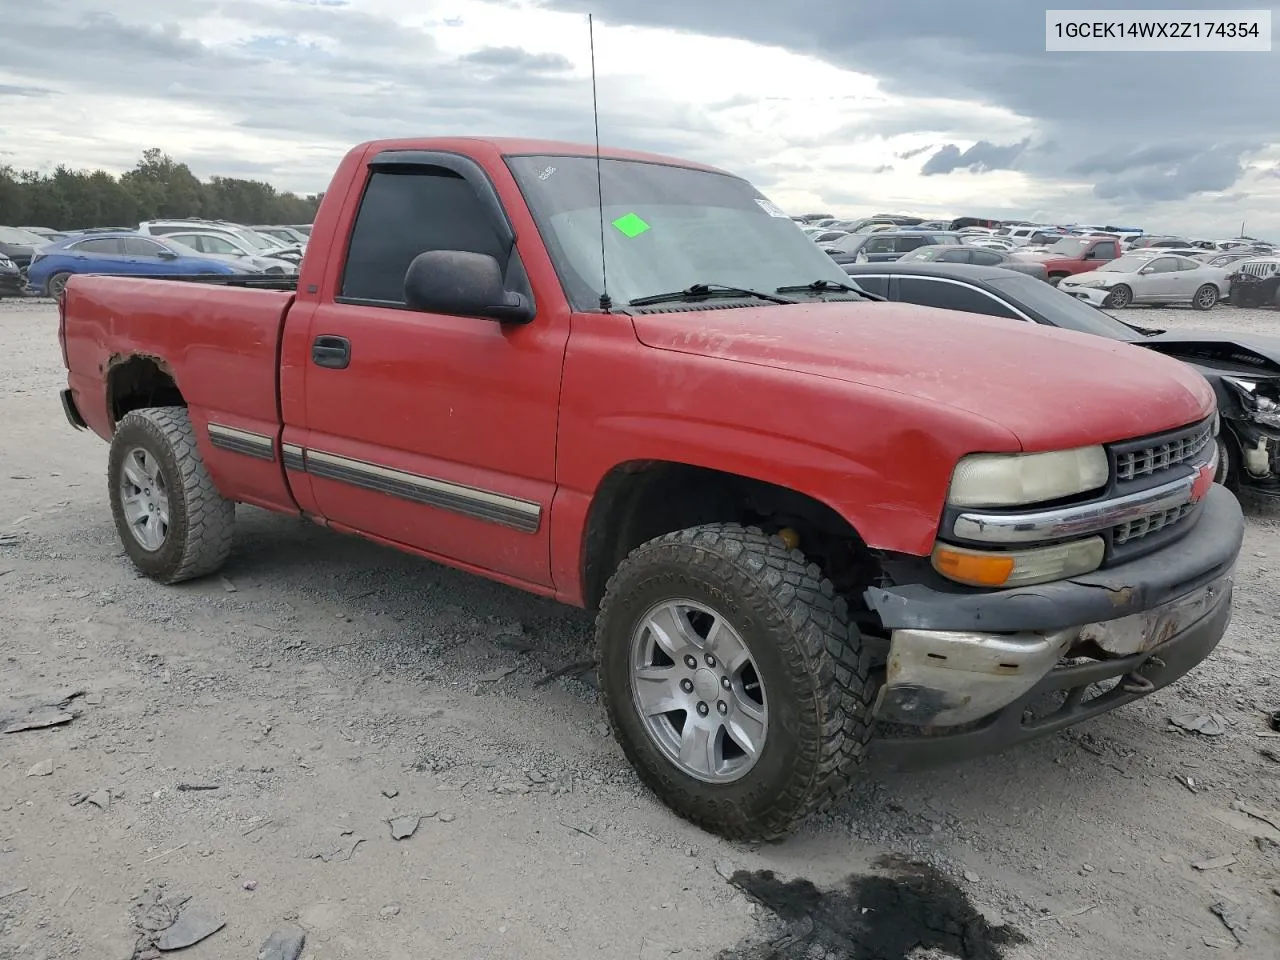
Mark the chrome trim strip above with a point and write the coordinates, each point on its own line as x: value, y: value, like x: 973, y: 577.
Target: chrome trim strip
x: 292, y: 455
x: 1073, y: 521
x: 240, y: 441
x: 522, y: 515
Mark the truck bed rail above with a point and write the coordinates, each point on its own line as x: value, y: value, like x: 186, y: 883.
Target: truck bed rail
x: 254, y: 281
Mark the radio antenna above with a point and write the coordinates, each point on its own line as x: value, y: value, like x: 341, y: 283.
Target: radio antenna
x: 605, y: 302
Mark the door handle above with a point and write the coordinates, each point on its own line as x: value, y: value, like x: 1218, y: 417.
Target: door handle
x: 329, y: 351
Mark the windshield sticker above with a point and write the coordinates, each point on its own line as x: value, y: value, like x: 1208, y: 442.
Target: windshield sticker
x: 546, y: 173
x: 771, y: 208
x: 630, y: 225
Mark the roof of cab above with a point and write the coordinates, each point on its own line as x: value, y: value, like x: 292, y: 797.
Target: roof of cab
x: 515, y: 146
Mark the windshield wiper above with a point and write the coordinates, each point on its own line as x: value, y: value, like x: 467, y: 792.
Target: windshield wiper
x: 699, y: 290
x: 830, y: 286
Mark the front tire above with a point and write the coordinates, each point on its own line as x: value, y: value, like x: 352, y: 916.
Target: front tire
x: 1229, y: 464
x: 1206, y: 297
x: 172, y: 521
x: 1120, y: 297
x: 733, y: 679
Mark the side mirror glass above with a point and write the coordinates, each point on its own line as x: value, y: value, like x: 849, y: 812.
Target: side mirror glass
x: 463, y: 284
x: 167, y: 255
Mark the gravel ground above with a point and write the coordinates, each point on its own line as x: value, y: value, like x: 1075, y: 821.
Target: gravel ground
x: 325, y: 686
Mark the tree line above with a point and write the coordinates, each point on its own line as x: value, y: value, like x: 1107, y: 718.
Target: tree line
x: 157, y: 187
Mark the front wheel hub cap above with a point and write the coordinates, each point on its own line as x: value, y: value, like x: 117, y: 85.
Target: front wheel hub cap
x: 717, y: 745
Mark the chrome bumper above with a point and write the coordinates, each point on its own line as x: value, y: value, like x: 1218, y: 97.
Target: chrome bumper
x: 944, y: 678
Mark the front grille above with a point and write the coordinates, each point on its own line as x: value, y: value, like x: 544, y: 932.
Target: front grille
x: 1258, y: 269
x: 1136, y: 529
x: 1148, y: 460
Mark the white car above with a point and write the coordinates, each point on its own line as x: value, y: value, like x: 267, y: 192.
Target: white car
x: 225, y: 246
x: 1155, y: 278
x: 989, y: 241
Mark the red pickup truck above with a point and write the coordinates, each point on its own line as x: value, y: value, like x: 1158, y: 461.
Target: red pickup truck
x: 1072, y: 255
x: 817, y: 527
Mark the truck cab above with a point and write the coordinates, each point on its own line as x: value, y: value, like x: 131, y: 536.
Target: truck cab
x: 1071, y: 255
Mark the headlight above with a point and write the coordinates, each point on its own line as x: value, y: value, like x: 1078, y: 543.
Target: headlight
x: 1018, y: 568
x: 1008, y: 480
x: 1261, y: 409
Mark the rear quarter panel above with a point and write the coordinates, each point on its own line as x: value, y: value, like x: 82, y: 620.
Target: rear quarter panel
x: 220, y: 344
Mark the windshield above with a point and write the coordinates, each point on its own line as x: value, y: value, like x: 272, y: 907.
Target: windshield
x: 1125, y: 265
x: 1063, y: 310
x: 1069, y: 246
x: 665, y: 229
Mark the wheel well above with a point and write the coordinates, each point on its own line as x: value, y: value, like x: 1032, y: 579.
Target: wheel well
x: 639, y: 501
x: 141, y: 382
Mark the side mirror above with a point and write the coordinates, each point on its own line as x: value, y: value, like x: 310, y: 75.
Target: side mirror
x: 167, y: 255
x: 463, y: 284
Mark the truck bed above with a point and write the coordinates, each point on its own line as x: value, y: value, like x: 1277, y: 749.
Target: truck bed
x: 219, y: 341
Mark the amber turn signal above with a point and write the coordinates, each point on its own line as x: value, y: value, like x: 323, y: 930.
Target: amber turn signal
x: 1018, y: 568
x: 976, y: 569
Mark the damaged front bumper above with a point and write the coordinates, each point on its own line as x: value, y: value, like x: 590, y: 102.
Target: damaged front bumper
x: 965, y: 667
x: 1097, y: 296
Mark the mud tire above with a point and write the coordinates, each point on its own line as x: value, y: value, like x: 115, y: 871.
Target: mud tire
x: 201, y: 520
x: 810, y: 658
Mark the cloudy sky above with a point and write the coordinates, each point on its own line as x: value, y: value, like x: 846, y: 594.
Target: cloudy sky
x: 935, y: 107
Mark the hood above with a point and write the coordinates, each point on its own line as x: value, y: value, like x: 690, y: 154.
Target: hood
x: 1234, y: 354
x: 1051, y: 388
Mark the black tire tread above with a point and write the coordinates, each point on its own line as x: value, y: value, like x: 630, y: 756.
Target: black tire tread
x: 210, y: 517
x: 804, y: 603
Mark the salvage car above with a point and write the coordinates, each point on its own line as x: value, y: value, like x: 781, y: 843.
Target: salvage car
x: 12, y: 282
x: 1256, y: 282
x: 885, y: 245
x: 115, y: 254
x: 228, y: 247
x: 18, y: 245
x: 1071, y: 255
x: 803, y: 515
x: 1150, y: 278
x: 969, y: 253
x: 1244, y: 369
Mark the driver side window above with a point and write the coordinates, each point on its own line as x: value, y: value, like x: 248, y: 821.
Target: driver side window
x: 878, y: 245
x: 407, y: 212
x: 1163, y: 265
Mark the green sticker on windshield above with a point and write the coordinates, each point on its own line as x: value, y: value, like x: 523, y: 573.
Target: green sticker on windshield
x: 630, y: 225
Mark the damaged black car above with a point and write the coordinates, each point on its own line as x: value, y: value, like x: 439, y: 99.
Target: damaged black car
x: 1243, y: 369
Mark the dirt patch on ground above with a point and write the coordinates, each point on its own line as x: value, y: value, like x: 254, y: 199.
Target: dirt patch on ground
x: 254, y: 743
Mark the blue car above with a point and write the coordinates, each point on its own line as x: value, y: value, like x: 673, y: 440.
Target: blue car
x: 121, y: 254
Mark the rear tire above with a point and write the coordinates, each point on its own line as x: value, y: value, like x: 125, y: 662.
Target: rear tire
x: 56, y: 285
x: 795, y: 679
x: 172, y: 521
x: 1057, y: 278
x: 1206, y: 297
